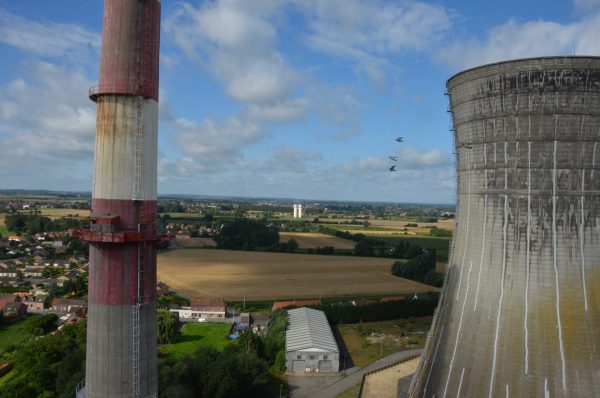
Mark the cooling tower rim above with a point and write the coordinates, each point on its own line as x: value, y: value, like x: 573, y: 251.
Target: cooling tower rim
x: 504, y: 65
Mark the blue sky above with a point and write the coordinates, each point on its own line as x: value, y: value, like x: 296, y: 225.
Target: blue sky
x: 273, y: 98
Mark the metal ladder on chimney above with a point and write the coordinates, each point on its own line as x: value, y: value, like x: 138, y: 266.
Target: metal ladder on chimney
x: 138, y: 153
x: 137, y: 195
x: 139, y: 302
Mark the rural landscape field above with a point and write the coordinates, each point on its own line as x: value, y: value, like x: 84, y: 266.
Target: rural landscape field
x: 307, y: 240
x: 235, y: 275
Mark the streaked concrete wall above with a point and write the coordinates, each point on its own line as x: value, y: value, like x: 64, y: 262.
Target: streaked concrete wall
x: 520, y: 312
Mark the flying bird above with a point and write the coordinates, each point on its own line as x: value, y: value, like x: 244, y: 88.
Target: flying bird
x: 394, y: 158
x: 400, y: 139
x: 393, y: 168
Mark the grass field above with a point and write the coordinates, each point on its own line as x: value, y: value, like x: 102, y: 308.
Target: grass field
x: 15, y: 333
x: 266, y: 276
x: 307, y: 240
x: 366, y: 341
x: 196, y: 335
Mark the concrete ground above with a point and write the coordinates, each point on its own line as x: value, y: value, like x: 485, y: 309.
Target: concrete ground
x: 384, y: 384
x: 328, y: 386
x: 301, y: 385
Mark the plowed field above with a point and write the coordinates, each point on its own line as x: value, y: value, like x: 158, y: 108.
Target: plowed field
x: 265, y: 276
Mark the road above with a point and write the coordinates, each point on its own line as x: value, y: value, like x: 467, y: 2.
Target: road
x: 339, y: 386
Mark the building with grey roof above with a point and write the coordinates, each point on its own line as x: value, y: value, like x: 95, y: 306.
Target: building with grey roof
x: 309, y: 342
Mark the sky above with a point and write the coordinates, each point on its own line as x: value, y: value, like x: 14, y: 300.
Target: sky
x: 273, y: 98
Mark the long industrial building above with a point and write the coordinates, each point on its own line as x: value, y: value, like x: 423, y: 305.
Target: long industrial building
x: 519, y: 314
x: 121, y: 356
x: 309, y: 342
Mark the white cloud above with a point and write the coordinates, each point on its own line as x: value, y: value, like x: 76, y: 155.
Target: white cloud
x: 414, y: 159
x: 284, y: 111
x: 586, y: 5
x: 337, y: 106
x: 45, y: 39
x: 287, y: 159
x: 49, y: 114
x: 515, y: 39
x: 369, y: 31
x: 235, y: 41
x: 215, y: 142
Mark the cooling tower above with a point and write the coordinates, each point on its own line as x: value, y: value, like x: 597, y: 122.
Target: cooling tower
x: 520, y: 311
x: 121, y: 356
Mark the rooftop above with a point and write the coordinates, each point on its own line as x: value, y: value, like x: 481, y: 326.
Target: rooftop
x: 308, y: 329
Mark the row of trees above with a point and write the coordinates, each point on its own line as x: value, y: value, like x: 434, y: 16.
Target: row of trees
x: 424, y: 305
x: 31, y: 223
x: 48, y: 366
x: 246, y: 234
x: 420, y: 269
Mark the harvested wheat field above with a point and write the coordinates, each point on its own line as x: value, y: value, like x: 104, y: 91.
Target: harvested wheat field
x: 266, y: 276
x: 307, y: 240
x: 57, y: 213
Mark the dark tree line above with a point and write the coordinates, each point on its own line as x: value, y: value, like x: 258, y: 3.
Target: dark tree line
x: 420, y: 269
x: 381, y: 311
x: 246, y: 235
x: 33, y: 223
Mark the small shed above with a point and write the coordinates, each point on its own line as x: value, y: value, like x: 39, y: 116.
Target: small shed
x: 309, y: 342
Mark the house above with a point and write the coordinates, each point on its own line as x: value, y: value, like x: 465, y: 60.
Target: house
x: 259, y: 322
x: 34, y: 303
x: 309, y: 342
x: 9, y: 272
x: 8, y: 298
x: 60, y: 281
x: 15, y: 238
x: 182, y: 235
x: 37, y: 291
x: 74, y: 315
x: 296, y: 303
x: 209, y: 307
x: 17, y: 308
x: 203, y: 309
x: 34, y: 272
x: 67, y: 305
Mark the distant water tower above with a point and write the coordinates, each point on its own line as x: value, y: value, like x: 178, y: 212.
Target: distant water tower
x: 295, y: 210
x: 519, y: 315
x: 299, y: 211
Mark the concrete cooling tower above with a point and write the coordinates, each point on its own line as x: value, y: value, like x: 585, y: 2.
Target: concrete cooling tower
x: 520, y: 312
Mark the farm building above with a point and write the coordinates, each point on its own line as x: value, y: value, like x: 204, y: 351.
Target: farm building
x: 294, y: 303
x: 203, y: 309
x: 309, y: 342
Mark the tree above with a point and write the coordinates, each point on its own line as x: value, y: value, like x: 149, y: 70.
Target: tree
x: 166, y: 327
x: 292, y: 245
x: 250, y: 343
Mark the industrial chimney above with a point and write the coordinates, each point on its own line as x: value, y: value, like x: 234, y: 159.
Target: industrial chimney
x: 121, y: 357
x: 519, y: 315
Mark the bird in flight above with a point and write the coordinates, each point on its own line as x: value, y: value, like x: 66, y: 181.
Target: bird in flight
x: 393, y: 168
x: 400, y: 139
x: 394, y: 158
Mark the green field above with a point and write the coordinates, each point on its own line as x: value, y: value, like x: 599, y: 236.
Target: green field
x: 194, y: 336
x: 15, y: 333
x: 366, y: 342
